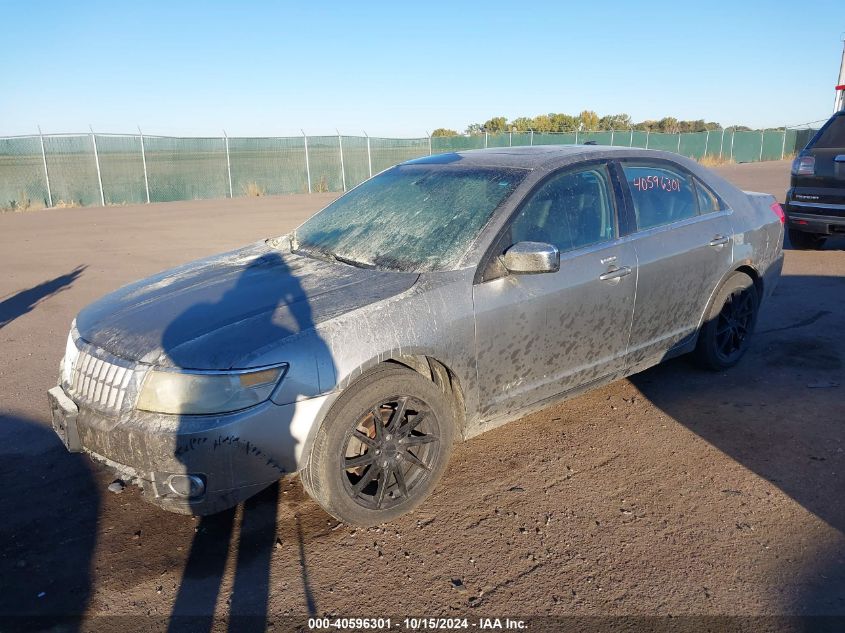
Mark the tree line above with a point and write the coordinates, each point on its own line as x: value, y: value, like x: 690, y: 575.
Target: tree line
x: 586, y: 121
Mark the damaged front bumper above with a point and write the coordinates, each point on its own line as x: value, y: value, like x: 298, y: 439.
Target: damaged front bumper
x: 191, y: 464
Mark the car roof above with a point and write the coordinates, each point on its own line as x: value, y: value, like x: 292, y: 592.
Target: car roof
x: 531, y: 157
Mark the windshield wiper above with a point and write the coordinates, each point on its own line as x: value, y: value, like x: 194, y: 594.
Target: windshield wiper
x: 313, y: 254
x: 353, y: 262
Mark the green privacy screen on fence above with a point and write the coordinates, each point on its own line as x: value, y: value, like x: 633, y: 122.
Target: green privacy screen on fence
x: 85, y: 169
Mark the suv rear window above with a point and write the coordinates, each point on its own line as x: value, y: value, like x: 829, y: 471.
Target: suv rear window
x: 833, y: 134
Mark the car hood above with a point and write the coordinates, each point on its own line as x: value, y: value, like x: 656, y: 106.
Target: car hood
x: 220, y: 312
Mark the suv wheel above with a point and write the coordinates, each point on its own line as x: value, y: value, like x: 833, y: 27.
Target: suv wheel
x: 805, y: 241
x: 382, y: 447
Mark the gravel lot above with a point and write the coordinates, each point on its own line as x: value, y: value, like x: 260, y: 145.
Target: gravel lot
x: 673, y: 492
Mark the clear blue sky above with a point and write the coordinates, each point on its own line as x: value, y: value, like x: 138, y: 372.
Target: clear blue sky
x: 404, y: 68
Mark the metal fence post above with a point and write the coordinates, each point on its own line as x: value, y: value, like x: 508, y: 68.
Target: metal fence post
x: 46, y: 173
x: 430, y: 151
x: 611, y: 138
x: 307, y: 164
x: 228, y: 163
x: 631, y: 143
x: 531, y: 140
x: 733, y: 136
x: 342, y: 170
x: 679, y: 142
x: 706, y: 143
x: 646, y: 138
x: 485, y: 139
x: 762, y: 137
x: 97, y: 161
x: 144, y: 162
x: 510, y: 138
x: 783, y: 145
x: 721, y: 143
x: 369, y: 155
x: 576, y: 137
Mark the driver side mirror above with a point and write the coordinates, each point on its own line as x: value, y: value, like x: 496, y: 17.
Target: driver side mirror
x: 531, y: 258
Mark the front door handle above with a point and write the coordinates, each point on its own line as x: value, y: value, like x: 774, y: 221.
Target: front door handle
x: 720, y: 240
x: 615, y: 273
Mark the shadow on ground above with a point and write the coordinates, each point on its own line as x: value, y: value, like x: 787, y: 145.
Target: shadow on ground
x: 780, y: 413
x: 50, y: 504
x: 24, y: 301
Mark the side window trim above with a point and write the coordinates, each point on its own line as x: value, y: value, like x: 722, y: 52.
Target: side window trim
x: 490, y: 253
x: 627, y: 218
x: 697, y: 182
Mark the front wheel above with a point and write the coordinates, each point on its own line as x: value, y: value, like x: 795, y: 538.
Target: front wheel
x: 726, y: 332
x: 382, y: 447
x: 805, y: 241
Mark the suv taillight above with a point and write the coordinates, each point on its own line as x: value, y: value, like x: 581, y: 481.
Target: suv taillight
x: 804, y: 166
x: 778, y: 211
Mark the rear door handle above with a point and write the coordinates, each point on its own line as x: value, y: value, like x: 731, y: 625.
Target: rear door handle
x: 719, y: 240
x: 615, y: 273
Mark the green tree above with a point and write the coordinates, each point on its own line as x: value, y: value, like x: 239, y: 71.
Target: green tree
x: 474, y: 129
x: 614, y: 122
x: 646, y: 126
x: 542, y: 123
x: 563, y: 123
x: 522, y: 124
x: 589, y: 120
x: 442, y: 131
x: 496, y: 125
x: 668, y: 124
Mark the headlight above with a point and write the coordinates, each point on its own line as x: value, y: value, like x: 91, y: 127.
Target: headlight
x: 174, y: 391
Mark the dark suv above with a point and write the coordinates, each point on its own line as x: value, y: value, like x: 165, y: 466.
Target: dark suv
x: 815, y: 202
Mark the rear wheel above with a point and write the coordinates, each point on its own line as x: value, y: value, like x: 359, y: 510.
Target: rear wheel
x: 805, y: 241
x: 382, y: 447
x: 726, y: 333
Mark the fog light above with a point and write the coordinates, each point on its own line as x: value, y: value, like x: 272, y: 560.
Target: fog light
x: 186, y: 486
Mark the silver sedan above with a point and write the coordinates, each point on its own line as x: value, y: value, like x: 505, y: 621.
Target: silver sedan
x: 441, y: 298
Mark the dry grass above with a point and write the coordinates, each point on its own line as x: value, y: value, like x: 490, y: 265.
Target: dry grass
x: 321, y: 186
x: 715, y: 161
x: 22, y: 203
x: 66, y: 204
x: 253, y: 190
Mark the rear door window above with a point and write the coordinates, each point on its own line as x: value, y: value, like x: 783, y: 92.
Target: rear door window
x: 661, y: 194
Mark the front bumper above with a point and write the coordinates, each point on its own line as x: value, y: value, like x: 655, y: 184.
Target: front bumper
x: 235, y: 455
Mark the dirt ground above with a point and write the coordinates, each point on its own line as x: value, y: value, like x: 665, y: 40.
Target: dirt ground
x: 676, y: 492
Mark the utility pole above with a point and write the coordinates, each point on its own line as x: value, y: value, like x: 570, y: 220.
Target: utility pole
x: 839, y: 102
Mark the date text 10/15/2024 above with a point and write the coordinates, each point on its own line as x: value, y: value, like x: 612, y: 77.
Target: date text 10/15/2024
x: 416, y: 624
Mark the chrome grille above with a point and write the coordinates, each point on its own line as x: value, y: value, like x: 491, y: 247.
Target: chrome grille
x: 100, y: 381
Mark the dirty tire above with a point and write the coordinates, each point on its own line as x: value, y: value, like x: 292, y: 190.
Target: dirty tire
x: 400, y: 462
x: 728, y: 324
x: 805, y: 241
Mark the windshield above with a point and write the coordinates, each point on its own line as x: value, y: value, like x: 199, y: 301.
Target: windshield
x: 409, y: 218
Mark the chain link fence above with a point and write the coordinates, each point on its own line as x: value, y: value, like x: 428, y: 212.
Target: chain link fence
x: 100, y: 169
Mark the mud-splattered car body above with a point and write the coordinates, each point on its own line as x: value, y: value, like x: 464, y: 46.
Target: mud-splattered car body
x: 500, y: 344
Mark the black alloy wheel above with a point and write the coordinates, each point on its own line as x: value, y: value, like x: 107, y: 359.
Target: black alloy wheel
x: 390, y: 452
x: 734, y: 322
x: 382, y: 447
x: 728, y: 324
